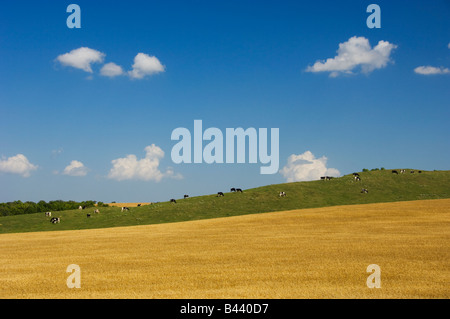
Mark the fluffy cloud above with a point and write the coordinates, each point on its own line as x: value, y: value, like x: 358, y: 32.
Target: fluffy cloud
x: 111, y: 70
x: 81, y: 58
x: 75, y: 168
x: 145, y: 65
x: 430, y: 70
x: 146, y: 169
x: 354, y: 53
x: 18, y: 164
x: 306, y: 167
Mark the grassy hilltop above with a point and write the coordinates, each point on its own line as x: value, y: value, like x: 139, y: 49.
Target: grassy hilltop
x: 383, y: 186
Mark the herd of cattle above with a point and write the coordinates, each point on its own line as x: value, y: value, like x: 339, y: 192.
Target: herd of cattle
x: 356, y: 178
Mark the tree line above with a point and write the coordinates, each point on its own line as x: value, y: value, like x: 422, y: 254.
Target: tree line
x: 18, y: 207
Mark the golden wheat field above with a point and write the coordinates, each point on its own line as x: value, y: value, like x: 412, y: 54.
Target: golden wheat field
x: 309, y: 253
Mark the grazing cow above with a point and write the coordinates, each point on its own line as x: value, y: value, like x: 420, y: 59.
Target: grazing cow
x: 412, y: 172
x: 402, y: 171
x: 55, y: 220
x: 419, y: 172
x: 322, y: 177
x: 355, y: 174
x: 48, y: 214
x: 139, y: 205
x: 125, y: 208
x: 394, y: 172
x: 186, y: 196
x: 88, y: 215
x: 220, y: 194
x: 233, y: 189
x: 282, y: 194
x: 173, y: 201
x: 96, y: 211
x: 364, y: 191
x: 238, y: 190
x: 326, y: 178
x: 357, y: 178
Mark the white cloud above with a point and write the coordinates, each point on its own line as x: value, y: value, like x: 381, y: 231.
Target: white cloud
x: 354, y: 53
x: 81, y: 58
x: 145, y: 65
x: 147, y: 168
x: 430, y: 70
x: 75, y: 168
x: 18, y: 164
x: 306, y: 167
x: 111, y: 70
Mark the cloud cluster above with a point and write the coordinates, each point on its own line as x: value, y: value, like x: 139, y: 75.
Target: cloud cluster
x: 83, y: 58
x: 306, y: 167
x: 75, y: 168
x: 145, y: 65
x: 353, y: 54
x: 18, y: 164
x: 147, y: 168
x: 430, y: 70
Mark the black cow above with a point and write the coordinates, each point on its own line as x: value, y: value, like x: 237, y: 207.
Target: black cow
x: 220, y: 194
x: 322, y: 178
x: 233, y: 189
x: 88, y: 215
x: 412, y: 172
x: 173, y: 201
x: 139, y: 205
x: 394, y: 172
x: 186, y: 196
x: 238, y: 190
x: 419, y: 172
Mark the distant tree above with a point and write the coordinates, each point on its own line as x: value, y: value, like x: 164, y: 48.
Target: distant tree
x: 365, y: 170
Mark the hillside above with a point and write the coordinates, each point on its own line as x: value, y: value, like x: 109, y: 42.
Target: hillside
x: 383, y: 186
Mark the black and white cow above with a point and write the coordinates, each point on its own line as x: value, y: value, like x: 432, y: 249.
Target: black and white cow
x: 186, y: 196
x: 355, y: 174
x: 282, y: 194
x: 96, y: 211
x: 233, y: 189
x: 124, y: 209
x: 55, y: 220
x: 48, y: 214
x: 402, y: 171
x: 357, y: 178
x: 219, y: 194
x: 364, y: 191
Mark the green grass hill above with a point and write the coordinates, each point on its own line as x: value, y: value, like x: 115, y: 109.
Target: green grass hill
x: 382, y: 186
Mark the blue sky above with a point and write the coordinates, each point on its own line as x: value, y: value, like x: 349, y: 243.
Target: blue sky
x: 231, y: 64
